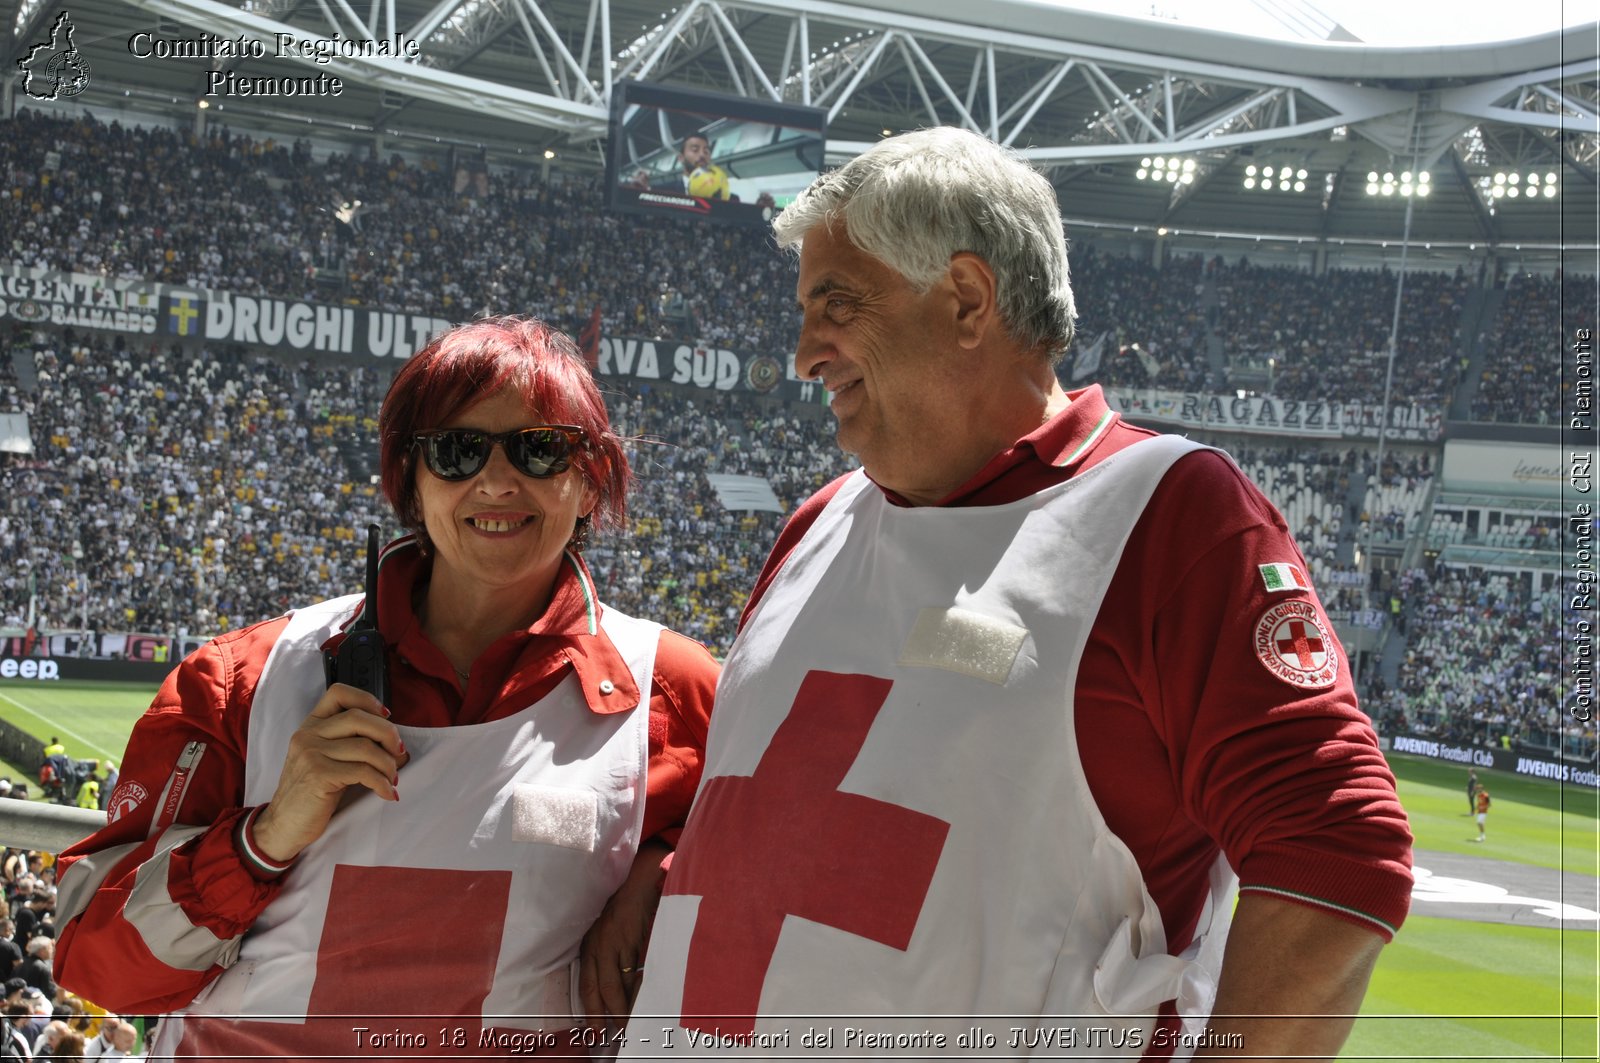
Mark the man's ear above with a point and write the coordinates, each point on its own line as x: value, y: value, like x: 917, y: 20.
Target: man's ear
x: 972, y: 281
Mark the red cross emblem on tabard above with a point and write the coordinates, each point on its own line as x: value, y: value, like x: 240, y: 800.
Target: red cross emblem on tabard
x: 406, y: 960
x: 786, y: 841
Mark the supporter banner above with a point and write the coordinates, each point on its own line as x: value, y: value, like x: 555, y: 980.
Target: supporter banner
x: 711, y: 368
x: 1499, y: 759
x: 78, y: 300
x: 1372, y: 619
x: 84, y: 300
x: 1314, y: 418
x: 354, y: 332
x: 304, y: 328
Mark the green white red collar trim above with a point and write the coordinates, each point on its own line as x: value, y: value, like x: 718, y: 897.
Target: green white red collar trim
x: 1094, y: 434
x: 587, y: 587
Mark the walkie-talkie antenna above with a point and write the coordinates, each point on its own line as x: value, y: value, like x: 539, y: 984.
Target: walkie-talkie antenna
x: 369, y: 609
x: 360, y: 660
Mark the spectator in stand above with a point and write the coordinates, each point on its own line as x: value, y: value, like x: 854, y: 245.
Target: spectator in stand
x: 498, y: 456
x: 108, y: 784
x: 33, y: 917
x: 17, y: 1044
x: 35, y: 970
x: 70, y: 1047
x: 116, y: 1040
x: 49, y: 1041
x: 10, y: 953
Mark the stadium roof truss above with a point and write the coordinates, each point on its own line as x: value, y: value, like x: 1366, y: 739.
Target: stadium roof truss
x: 1087, y: 97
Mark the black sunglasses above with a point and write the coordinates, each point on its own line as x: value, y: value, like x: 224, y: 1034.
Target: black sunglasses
x: 461, y: 453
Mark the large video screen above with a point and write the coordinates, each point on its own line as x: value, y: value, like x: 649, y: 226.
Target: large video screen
x: 688, y: 153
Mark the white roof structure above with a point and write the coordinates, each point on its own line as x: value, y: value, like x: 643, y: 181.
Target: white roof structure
x: 1091, y: 98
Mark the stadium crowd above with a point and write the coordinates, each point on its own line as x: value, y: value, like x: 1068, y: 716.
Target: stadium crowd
x: 193, y: 492
x: 1329, y: 334
x: 258, y: 217
x: 42, y: 1020
x: 1523, y: 377
x: 1483, y: 663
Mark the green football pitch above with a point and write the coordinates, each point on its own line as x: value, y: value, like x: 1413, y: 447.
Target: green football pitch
x: 1445, y: 989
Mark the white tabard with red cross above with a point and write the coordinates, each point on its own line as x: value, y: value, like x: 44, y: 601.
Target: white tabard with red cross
x: 894, y: 832
x: 457, y: 909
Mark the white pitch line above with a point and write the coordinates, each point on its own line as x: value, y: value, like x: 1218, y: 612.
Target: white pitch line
x: 56, y: 728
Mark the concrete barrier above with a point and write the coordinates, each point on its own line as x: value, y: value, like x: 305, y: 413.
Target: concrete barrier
x: 46, y: 827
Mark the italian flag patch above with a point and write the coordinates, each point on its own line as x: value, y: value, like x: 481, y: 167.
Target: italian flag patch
x: 1282, y: 576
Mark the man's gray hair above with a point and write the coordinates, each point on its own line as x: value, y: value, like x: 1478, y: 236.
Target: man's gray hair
x: 914, y: 200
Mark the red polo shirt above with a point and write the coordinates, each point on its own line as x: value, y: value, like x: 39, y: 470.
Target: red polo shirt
x: 1190, y: 742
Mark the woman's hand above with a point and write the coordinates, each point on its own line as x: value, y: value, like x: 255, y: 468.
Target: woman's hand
x: 611, y: 959
x: 346, y: 741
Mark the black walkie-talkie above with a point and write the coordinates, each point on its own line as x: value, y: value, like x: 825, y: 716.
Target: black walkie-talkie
x: 360, y: 662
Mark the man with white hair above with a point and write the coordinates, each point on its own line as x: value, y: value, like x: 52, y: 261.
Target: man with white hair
x: 47, y: 1041
x: 1018, y: 705
x: 35, y: 970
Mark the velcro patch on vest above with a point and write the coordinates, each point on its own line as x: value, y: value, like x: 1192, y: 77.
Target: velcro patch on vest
x: 963, y: 641
x: 1294, y: 645
x: 555, y: 815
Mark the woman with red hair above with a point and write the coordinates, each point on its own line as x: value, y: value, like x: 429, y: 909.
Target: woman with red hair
x: 260, y: 874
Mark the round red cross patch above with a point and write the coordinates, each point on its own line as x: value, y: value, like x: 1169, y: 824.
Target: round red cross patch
x: 127, y: 797
x: 1293, y: 644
